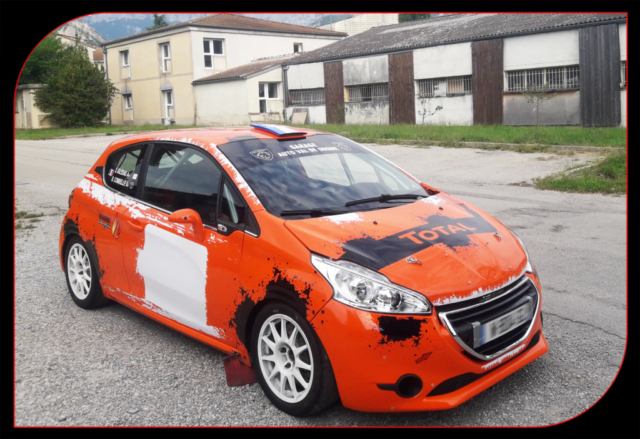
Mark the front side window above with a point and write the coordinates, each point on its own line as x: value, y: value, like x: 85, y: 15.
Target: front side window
x: 123, y: 168
x: 211, y: 48
x: 181, y: 177
x: 322, y: 172
x: 232, y: 209
x: 166, y: 56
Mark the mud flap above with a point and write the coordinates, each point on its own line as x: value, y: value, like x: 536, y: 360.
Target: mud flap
x: 238, y: 374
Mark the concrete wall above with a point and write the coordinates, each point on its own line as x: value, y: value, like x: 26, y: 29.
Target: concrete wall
x: 253, y: 90
x: 623, y: 108
x: 361, y: 23
x: 551, y: 49
x: 315, y: 113
x: 442, y: 61
x: 302, y: 76
x: 456, y: 110
x: 228, y: 103
x: 241, y: 48
x: 369, y: 70
x: 222, y: 103
x: 374, y: 113
x: 564, y: 109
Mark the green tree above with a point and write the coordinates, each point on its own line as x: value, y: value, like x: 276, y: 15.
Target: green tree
x: 410, y: 17
x: 536, y: 96
x: 78, y: 94
x: 45, y: 59
x: 158, y: 22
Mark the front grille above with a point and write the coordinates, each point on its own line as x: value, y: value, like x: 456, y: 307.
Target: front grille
x: 462, y: 316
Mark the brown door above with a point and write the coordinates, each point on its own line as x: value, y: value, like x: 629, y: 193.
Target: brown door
x: 334, y: 92
x: 488, y: 79
x: 402, y: 103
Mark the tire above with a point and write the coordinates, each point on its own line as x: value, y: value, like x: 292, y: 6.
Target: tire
x: 82, y: 275
x: 309, y: 368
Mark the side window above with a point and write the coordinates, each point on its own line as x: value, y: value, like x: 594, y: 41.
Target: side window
x: 232, y: 209
x: 181, y: 177
x: 123, y: 168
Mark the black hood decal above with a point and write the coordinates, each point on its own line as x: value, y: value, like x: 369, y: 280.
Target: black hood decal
x: 437, y: 229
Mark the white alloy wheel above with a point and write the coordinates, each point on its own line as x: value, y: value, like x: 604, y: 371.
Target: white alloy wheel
x: 285, y: 358
x: 79, y: 271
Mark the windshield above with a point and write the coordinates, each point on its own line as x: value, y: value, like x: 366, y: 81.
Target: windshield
x: 323, y: 172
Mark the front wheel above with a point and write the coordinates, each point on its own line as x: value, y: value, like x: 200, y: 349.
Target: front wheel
x: 291, y: 364
x: 82, y: 278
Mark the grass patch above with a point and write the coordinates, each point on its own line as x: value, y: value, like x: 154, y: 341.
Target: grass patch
x: 529, y: 137
x: 26, y: 215
x: 25, y: 220
x: 608, y: 176
x: 48, y: 133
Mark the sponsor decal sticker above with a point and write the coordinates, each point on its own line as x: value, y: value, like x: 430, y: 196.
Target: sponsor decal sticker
x: 342, y: 146
x: 110, y: 172
x: 104, y: 221
x: 262, y: 154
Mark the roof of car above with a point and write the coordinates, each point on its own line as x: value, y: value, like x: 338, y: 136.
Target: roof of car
x: 205, y: 137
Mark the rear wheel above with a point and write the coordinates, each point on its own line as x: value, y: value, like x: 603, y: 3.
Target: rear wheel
x: 82, y: 278
x: 291, y: 364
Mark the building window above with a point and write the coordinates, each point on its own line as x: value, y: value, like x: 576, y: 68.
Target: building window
x: 623, y: 74
x: 311, y: 96
x: 211, y: 48
x: 367, y: 92
x: 453, y: 86
x: 168, y: 105
x: 125, y: 58
x: 267, y: 90
x: 556, y: 78
x: 166, y: 56
x: 297, y: 47
x: 128, y: 101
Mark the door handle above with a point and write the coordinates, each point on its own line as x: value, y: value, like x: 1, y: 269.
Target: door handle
x: 135, y: 225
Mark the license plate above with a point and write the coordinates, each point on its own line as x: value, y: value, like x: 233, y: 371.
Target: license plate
x: 503, y: 324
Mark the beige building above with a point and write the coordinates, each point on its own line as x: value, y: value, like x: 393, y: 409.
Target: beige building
x: 356, y: 24
x: 94, y: 53
x: 154, y: 70
x: 249, y: 93
x: 27, y: 113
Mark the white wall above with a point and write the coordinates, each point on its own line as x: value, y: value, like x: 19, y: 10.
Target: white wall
x: 241, y: 48
x: 373, y: 113
x: 305, y: 76
x: 369, y: 70
x: 456, y: 110
x: 622, y: 34
x: 222, y: 103
x: 442, y: 61
x: 253, y: 92
x: 542, y: 50
x: 315, y: 113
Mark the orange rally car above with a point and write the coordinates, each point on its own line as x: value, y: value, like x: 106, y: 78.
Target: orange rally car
x: 312, y: 259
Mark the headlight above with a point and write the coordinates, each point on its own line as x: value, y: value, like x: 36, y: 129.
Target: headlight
x: 366, y: 289
x: 529, y: 268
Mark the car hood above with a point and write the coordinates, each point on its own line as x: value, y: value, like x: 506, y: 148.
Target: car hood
x: 461, y: 252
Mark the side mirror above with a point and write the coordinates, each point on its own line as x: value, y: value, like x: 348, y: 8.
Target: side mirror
x: 189, y: 216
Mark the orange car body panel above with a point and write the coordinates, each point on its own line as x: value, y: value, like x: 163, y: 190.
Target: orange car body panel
x: 242, y: 271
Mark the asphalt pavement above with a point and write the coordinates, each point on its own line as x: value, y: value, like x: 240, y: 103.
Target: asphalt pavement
x: 112, y: 366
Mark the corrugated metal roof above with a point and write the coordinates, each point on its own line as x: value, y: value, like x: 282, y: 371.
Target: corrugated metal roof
x: 243, y: 71
x: 449, y: 29
x: 232, y: 21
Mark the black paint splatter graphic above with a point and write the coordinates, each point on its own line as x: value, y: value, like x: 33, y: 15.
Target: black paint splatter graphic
x: 452, y: 232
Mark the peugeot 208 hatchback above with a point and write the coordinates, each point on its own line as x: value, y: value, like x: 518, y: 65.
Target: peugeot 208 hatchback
x: 312, y: 259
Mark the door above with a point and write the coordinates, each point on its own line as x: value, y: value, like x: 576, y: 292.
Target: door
x: 171, y: 271
x: 121, y: 177
x: 168, y: 105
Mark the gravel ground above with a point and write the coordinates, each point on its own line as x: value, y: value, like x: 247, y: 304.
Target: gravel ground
x: 114, y: 367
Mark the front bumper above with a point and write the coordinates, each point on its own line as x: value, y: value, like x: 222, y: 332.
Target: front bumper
x: 363, y: 357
